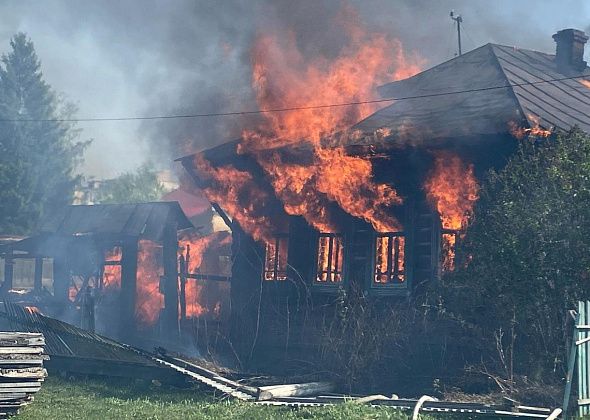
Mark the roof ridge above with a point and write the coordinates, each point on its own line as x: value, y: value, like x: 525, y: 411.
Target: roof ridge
x: 489, y: 44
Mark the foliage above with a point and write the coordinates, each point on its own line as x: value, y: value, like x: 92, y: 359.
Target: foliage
x: 98, y: 399
x: 364, y: 341
x: 134, y: 187
x: 525, y: 259
x: 38, y: 156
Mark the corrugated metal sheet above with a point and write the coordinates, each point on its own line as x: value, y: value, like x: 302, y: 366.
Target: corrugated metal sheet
x: 135, y: 220
x: 562, y: 104
x: 62, y: 339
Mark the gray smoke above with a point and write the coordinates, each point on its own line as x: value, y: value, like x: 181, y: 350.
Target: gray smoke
x: 157, y: 57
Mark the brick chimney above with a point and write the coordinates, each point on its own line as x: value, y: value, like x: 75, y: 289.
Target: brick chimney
x: 570, y: 49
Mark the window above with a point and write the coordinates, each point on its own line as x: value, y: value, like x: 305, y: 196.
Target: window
x: 330, y: 258
x: 275, y: 261
x: 389, y: 259
x: 447, y: 252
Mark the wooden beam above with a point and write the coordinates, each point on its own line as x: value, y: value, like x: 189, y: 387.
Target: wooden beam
x: 169, y: 252
x: 214, y: 277
x: 128, y: 287
x: 294, y: 390
x: 8, y: 272
x: 202, y: 185
x: 38, y: 281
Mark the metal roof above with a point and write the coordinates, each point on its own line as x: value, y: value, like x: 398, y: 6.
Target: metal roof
x: 559, y: 104
x: 62, y: 339
x: 136, y: 220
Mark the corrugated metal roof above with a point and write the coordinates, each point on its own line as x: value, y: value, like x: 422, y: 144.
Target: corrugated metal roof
x: 62, y: 339
x: 560, y: 104
x: 137, y: 220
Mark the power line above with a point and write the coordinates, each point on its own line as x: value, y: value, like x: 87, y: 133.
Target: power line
x: 295, y: 108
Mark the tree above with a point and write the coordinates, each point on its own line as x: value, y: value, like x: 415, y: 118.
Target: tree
x: 38, y: 152
x: 526, y: 257
x: 138, y: 187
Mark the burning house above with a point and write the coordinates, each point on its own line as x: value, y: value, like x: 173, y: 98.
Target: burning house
x: 325, y: 201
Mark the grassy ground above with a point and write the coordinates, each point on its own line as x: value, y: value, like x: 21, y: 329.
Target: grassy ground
x: 94, y: 399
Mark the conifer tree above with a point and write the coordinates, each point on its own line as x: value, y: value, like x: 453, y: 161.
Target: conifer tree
x: 38, y: 152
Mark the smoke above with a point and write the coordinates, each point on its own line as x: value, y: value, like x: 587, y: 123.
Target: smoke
x: 156, y: 57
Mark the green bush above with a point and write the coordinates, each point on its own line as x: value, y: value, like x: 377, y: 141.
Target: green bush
x: 525, y: 259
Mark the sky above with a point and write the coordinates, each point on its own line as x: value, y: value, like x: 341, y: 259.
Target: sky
x: 130, y: 58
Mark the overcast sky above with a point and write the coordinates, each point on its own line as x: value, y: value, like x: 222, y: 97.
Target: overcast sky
x: 149, y: 57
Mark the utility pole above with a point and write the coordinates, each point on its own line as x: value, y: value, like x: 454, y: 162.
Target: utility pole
x: 457, y: 19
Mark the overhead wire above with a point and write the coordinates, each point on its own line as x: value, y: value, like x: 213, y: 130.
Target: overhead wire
x: 297, y: 108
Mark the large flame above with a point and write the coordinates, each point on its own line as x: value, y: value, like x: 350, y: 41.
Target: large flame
x: 284, y: 78
x: 451, y: 187
x: 240, y: 197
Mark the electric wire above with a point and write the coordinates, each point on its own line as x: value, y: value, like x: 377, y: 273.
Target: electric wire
x: 297, y: 108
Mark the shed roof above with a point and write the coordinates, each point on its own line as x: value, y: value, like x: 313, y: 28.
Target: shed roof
x: 137, y: 220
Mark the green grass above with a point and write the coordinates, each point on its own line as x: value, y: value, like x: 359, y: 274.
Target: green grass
x: 95, y: 399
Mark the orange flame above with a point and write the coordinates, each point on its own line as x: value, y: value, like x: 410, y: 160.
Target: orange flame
x: 111, y: 276
x: 451, y: 187
x: 283, y: 78
x: 240, y: 196
x: 535, y: 129
x: 387, y: 249
x: 198, y: 247
x: 149, y: 300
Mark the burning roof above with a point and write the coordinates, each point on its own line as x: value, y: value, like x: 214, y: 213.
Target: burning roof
x: 480, y: 111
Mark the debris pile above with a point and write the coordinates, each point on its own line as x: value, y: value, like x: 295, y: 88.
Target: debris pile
x: 21, y: 369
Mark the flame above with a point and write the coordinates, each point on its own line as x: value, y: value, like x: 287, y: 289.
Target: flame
x: 451, y: 187
x: 111, y: 276
x: 197, y: 246
x: 449, y: 240
x: 284, y: 78
x: 149, y: 300
x: 347, y: 180
x: 241, y: 197
x: 330, y: 259
x: 535, y: 129
x: 275, y: 260
x: 386, y: 256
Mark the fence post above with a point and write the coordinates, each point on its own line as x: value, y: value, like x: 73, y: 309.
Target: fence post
x: 571, y: 362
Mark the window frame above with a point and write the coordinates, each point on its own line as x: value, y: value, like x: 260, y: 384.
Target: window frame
x: 457, y: 234
x: 341, y: 257
x: 390, y: 288
x: 278, y: 238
